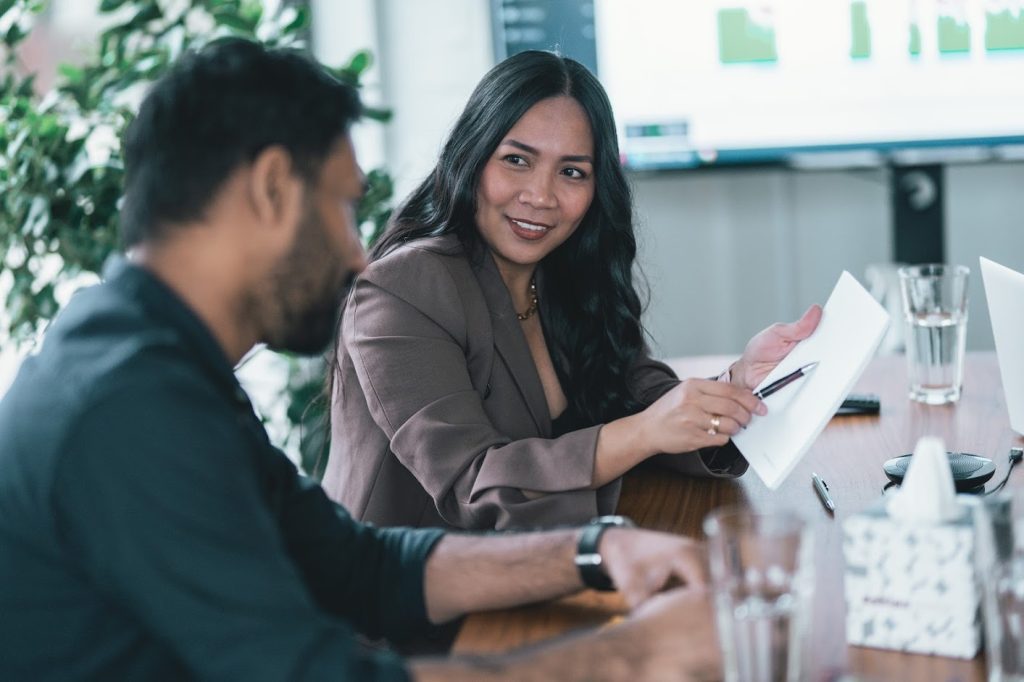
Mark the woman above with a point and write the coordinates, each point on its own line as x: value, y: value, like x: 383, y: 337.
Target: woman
x: 491, y: 369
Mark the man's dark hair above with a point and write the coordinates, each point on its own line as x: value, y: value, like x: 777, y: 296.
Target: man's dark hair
x: 215, y: 110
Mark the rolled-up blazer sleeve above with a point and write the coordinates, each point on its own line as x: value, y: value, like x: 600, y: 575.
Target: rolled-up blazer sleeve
x: 411, y: 341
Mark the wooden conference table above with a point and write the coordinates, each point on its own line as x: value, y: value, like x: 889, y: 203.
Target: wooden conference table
x: 849, y: 455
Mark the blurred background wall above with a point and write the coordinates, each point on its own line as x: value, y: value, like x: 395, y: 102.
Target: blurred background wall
x: 725, y: 252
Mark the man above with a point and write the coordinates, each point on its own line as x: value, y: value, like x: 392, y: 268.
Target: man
x: 149, y: 530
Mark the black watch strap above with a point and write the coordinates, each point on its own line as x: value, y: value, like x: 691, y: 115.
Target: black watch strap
x: 588, y: 560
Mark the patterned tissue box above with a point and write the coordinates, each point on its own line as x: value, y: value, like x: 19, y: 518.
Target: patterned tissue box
x: 912, y: 587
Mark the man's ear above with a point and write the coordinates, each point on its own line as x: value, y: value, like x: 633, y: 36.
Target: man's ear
x: 275, y: 189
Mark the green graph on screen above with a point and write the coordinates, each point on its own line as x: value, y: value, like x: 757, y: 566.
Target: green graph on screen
x: 1004, y: 30
x: 914, y: 46
x: 954, y: 35
x: 860, y: 30
x: 743, y: 39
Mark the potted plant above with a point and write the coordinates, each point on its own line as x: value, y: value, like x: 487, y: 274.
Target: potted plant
x: 61, y: 172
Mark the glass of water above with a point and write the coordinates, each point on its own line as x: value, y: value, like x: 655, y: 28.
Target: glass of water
x: 935, y: 308
x: 762, y: 574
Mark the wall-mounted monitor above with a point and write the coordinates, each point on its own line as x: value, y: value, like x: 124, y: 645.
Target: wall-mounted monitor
x: 709, y: 82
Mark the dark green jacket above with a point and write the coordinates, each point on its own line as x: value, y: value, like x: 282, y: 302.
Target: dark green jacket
x: 149, y: 530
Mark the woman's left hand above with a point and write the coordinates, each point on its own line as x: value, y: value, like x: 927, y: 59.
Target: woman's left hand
x: 770, y: 346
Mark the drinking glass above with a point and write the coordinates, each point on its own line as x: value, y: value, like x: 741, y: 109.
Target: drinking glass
x: 935, y: 308
x: 762, y: 570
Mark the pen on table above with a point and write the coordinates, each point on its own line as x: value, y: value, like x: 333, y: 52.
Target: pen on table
x: 784, y: 381
x: 821, y: 488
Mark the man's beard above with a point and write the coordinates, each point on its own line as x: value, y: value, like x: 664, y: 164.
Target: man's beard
x: 308, y: 286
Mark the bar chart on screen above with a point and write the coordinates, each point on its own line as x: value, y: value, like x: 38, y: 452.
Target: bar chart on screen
x: 738, y: 80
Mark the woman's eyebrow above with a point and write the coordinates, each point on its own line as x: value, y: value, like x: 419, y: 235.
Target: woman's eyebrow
x: 536, y: 152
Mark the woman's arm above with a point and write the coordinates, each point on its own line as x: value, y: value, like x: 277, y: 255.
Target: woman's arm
x: 650, y: 380
x: 681, y: 412
x: 678, y: 422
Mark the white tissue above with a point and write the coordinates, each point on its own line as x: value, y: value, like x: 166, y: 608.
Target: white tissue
x: 927, y: 494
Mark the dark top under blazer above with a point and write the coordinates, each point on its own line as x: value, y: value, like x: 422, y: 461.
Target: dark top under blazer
x: 439, y: 416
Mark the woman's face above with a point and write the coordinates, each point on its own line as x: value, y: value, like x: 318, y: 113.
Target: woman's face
x: 538, y: 184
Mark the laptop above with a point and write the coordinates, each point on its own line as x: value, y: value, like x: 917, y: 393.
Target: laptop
x: 1004, y: 289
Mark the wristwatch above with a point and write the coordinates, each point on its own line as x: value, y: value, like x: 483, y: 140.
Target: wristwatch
x: 588, y: 560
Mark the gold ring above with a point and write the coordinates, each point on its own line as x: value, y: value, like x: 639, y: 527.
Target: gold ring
x: 715, y: 423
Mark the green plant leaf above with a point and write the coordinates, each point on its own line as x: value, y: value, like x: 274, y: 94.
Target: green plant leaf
x: 233, y: 20
x: 359, y: 63
x: 57, y: 203
x: 300, y: 22
x: 111, y: 5
x: 14, y: 35
x: 147, y: 12
x: 377, y: 114
x: 72, y: 74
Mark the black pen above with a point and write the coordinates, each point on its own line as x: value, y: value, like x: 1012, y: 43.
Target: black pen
x: 784, y: 381
x: 821, y: 488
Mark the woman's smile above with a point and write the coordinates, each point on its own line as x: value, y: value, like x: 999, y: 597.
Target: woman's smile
x: 531, y: 231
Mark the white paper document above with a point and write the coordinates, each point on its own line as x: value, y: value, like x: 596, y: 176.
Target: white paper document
x: 852, y: 325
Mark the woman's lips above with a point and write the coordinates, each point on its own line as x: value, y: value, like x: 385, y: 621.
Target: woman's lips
x: 527, y: 230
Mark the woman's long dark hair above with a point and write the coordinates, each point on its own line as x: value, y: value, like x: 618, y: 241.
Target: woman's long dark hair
x: 590, y: 308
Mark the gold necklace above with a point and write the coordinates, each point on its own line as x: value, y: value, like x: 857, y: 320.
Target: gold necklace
x: 528, y: 313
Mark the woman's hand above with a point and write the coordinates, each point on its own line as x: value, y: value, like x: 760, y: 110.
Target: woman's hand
x: 770, y: 346
x: 698, y: 413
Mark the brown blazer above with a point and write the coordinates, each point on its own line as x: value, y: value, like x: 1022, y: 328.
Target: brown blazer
x: 439, y: 417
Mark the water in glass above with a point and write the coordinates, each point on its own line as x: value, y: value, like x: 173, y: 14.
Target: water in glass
x: 761, y: 636
x: 935, y: 352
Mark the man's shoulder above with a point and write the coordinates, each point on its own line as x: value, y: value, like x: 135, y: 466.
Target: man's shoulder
x: 105, y: 337
x: 103, y: 345
x: 101, y: 368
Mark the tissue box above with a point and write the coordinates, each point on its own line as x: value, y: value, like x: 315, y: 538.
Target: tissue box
x: 912, y: 587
